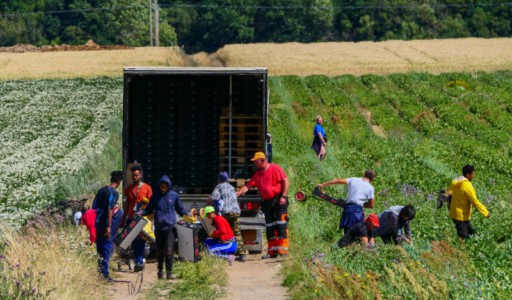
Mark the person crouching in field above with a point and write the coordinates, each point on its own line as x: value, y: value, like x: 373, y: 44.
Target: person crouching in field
x: 319, y: 139
x: 463, y: 198
x: 88, y: 219
x: 363, y: 232
x: 395, y: 220
x: 222, y: 241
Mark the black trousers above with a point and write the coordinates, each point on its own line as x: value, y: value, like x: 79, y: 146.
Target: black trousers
x: 464, y: 228
x: 276, y: 218
x: 165, y: 248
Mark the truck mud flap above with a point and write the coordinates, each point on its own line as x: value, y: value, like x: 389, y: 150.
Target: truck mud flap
x: 252, y: 223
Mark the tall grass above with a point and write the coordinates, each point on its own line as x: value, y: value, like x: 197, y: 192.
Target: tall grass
x: 49, y: 262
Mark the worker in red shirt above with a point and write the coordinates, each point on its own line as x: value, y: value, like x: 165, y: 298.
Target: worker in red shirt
x: 272, y: 184
x: 137, y: 195
x: 88, y: 219
x: 222, y: 241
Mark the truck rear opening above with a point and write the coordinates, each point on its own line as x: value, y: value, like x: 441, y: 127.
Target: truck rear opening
x: 191, y: 124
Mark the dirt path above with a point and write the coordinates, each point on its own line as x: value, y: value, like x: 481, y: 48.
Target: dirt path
x: 255, y: 279
x: 123, y: 290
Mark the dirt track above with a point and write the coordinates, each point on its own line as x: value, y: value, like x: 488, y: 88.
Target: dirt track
x: 255, y: 279
x: 123, y: 290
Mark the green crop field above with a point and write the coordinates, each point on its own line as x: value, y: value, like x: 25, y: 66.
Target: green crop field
x: 53, y: 133
x: 415, y: 130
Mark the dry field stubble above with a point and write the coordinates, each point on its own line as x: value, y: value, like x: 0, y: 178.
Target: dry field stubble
x: 431, y: 56
x: 67, y: 64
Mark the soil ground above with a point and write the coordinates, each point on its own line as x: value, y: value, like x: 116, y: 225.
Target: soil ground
x: 124, y: 290
x: 253, y: 279
x: 256, y: 279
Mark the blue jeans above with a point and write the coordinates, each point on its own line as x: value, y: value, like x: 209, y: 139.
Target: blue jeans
x: 138, y: 245
x: 104, y: 247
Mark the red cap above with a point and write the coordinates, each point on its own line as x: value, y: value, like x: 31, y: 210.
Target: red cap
x: 373, y: 219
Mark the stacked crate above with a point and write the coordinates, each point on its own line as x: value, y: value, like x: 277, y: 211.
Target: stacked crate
x: 246, y: 139
x: 178, y: 125
x: 175, y: 130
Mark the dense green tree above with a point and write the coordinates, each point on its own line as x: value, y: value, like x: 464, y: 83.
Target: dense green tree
x: 205, y: 25
x: 222, y: 22
x: 296, y: 20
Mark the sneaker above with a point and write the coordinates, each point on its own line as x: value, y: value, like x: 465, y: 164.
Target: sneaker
x: 267, y: 256
x: 108, y: 280
x: 170, y: 276
x: 231, y: 258
x: 241, y: 258
x: 138, y: 267
x: 160, y: 275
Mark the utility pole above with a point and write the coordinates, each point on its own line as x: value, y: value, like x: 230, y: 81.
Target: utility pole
x: 151, y: 23
x: 154, y: 18
x: 157, y: 25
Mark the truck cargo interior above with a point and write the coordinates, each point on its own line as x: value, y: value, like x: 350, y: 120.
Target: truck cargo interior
x: 192, y: 123
x: 191, y: 126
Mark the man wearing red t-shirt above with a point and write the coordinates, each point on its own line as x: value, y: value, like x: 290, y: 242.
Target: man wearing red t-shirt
x: 272, y: 184
x: 137, y: 195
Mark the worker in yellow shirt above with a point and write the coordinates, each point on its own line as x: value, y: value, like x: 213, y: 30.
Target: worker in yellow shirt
x: 463, y: 198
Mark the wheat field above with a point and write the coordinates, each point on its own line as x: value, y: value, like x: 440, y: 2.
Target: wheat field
x: 330, y: 58
x: 68, y: 64
x: 431, y: 56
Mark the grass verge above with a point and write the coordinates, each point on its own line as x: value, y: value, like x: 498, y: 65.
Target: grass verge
x: 205, y: 279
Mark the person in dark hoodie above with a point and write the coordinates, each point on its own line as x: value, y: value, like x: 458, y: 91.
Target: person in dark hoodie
x: 165, y: 204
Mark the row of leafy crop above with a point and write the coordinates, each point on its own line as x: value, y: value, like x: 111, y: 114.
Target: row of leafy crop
x: 465, y: 143
x: 50, y: 130
x: 410, y: 170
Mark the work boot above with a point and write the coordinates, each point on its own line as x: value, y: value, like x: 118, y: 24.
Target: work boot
x: 267, y: 256
x: 242, y: 258
x: 170, y: 276
x: 160, y: 275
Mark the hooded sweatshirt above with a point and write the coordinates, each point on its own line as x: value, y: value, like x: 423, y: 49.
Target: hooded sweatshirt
x: 463, y: 198
x: 165, y: 207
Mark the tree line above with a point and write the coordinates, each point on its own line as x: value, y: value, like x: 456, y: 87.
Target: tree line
x: 206, y: 25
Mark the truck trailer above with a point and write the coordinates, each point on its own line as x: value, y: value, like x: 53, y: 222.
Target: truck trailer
x: 193, y: 123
